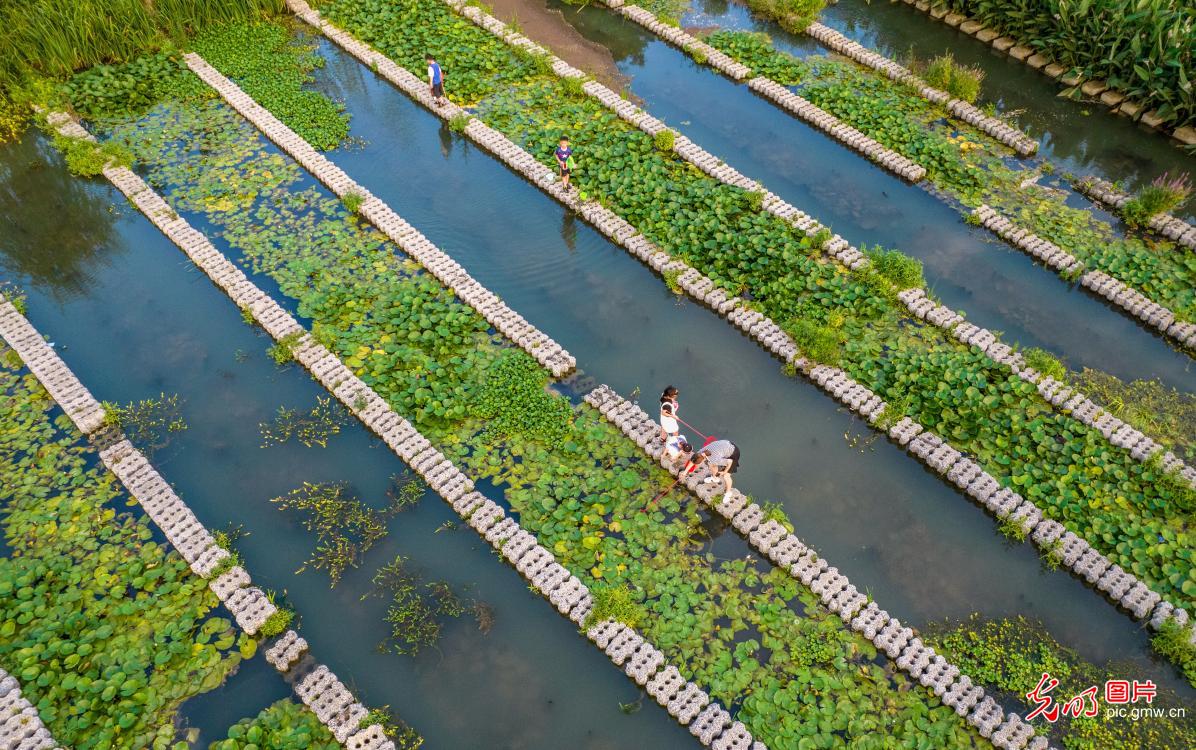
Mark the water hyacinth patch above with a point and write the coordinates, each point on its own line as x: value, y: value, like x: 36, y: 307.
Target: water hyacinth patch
x: 273, y: 65
x: 969, y: 167
x: 583, y: 494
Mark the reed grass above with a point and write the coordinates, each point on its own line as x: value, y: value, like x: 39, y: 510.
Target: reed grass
x: 53, y: 38
x: 1144, y: 48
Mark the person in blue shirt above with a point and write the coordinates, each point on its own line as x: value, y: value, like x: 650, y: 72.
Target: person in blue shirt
x: 436, y: 80
x: 564, y: 160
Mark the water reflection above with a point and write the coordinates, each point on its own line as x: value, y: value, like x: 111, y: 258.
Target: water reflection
x: 569, y: 230
x: 624, y: 47
x: 54, y: 227
x: 1079, y: 134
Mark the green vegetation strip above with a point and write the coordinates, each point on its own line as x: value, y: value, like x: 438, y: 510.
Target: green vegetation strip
x: 959, y: 107
x: 985, y: 410
x: 707, y: 55
x: 1012, y: 655
x: 106, y: 629
x: 433, y: 360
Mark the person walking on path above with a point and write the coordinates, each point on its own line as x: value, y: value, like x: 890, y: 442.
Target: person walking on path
x: 668, y: 413
x: 436, y: 81
x: 723, y: 457
x: 564, y: 160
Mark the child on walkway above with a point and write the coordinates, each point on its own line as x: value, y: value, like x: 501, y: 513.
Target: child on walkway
x: 564, y: 160
x: 668, y: 412
x: 678, y: 449
x: 436, y: 81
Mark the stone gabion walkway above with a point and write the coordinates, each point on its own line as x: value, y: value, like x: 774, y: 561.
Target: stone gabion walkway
x: 248, y: 604
x: 791, y: 102
x: 331, y: 701
x: 1121, y: 295
x: 929, y: 448
x: 506, y: 321
x: 21, y: 727
x: 1176, y: 230
x: 774, y: 542
x: 974, y: 116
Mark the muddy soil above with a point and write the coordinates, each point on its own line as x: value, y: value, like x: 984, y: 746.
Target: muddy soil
x: 549, y: 28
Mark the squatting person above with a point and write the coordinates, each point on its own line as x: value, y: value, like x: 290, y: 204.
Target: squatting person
x: 723, y: 456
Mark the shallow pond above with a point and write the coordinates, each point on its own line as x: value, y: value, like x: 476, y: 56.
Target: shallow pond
x: 137, y: 320
x: 870, y: 509
x: 1079, y: 135
x: 134, y: 319
x: 967, y: 267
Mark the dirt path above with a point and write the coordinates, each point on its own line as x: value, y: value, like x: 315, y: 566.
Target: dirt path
x: 549, y: 28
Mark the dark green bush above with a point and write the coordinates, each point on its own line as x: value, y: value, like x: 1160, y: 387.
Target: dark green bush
x: 1143, y: 48
x: 818, y: 342
x: 901, y: 270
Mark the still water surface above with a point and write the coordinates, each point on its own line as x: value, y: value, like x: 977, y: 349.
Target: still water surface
x: 134, y: 319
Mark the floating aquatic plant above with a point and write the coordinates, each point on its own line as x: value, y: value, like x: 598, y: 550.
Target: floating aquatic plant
x: 415, y: 608
x: 345, y: 527
x: 310, y: 428
x: 148, y: 423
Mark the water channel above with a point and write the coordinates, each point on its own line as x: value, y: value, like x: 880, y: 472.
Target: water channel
x: 134, y: 319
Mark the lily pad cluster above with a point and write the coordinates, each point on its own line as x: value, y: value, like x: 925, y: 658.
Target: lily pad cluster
x: 284, y: 725
x: 582, y: 487
x: 106, y: 628
x: 1095, y: 489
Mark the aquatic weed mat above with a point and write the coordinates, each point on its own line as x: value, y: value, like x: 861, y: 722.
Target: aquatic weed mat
x: 970, y: 169
x: 106, y: 628
x: 573, y: 480
x: 1133, y: 512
